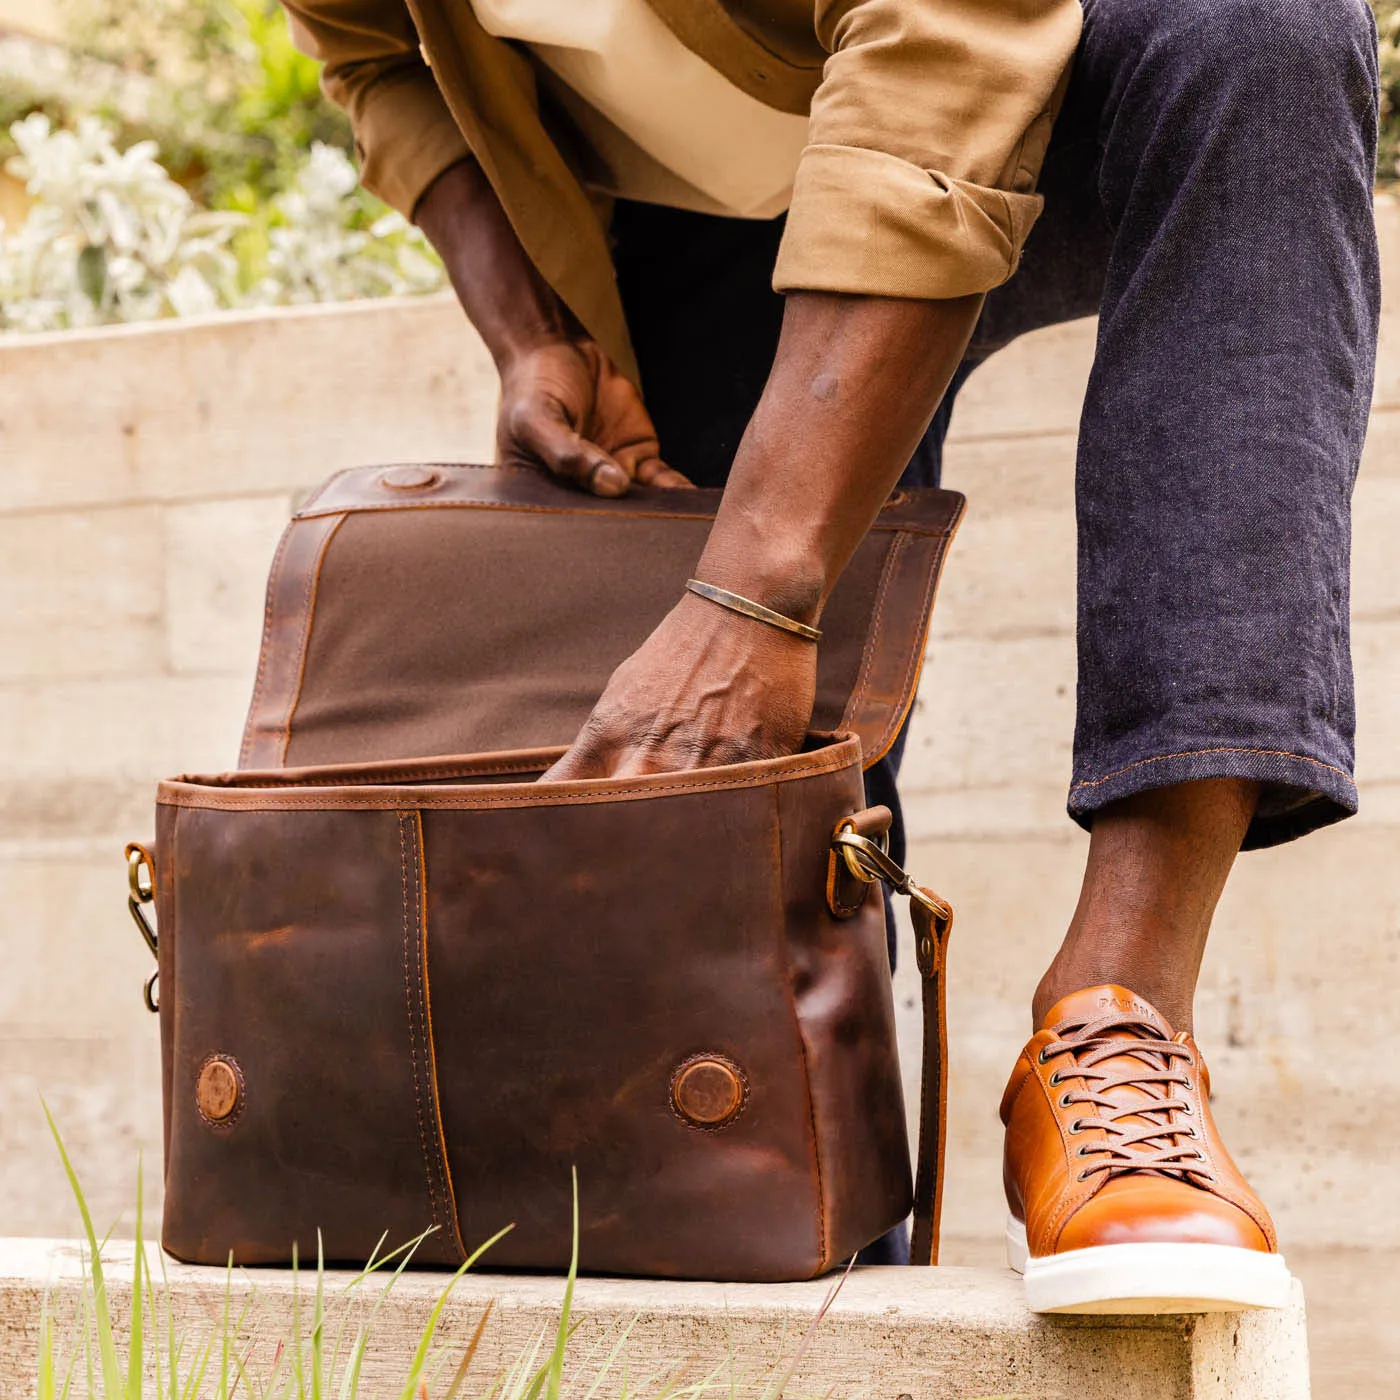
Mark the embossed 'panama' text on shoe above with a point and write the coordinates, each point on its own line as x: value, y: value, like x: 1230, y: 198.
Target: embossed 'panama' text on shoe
x: 1122, y: 1197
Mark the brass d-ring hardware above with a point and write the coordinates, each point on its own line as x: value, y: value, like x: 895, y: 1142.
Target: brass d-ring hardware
x: 869, y: 861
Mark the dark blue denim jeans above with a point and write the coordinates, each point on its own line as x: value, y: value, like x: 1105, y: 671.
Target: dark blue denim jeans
x: 1208, y: 193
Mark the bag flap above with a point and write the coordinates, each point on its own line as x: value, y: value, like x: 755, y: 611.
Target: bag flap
x: 415, y: 611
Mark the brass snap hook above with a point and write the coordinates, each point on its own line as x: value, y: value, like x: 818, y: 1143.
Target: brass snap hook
x: 141, y: 890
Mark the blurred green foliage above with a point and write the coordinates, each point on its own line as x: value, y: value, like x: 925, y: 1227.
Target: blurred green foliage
x: 232, y: 104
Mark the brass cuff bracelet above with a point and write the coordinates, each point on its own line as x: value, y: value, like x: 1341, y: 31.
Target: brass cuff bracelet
x: 735, y: 603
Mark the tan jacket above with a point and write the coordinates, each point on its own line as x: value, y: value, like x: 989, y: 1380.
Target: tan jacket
x: 929, y: 120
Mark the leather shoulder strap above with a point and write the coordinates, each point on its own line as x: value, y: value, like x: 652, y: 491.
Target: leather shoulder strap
x: 931, y: 940
x: 858, y: 859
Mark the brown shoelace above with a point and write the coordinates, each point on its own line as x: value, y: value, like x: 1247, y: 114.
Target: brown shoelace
x: 1163, y: 1143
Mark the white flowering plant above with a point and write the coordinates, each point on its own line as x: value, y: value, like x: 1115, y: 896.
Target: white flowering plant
x: 111, y: 237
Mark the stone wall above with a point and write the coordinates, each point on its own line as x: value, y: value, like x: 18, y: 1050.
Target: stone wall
x: 145, y: 474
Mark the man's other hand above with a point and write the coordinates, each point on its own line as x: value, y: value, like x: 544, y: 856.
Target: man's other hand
x: 567, y: 407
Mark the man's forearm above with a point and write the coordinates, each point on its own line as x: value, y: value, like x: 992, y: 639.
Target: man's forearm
x: 853, y: 386
x: 510, y: 304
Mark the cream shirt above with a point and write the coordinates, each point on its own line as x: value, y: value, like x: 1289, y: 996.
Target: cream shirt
x: 652, y: 92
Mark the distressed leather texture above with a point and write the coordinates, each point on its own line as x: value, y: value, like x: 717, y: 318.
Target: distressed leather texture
x: 434, y: 987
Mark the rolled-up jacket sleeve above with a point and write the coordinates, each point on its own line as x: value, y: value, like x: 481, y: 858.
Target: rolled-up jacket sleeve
x: 374, y: 69
x: 926, y: 139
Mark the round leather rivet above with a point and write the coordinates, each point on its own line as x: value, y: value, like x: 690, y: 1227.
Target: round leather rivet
x: 708, y: 1091
x: 219, y: 1089
x: 409, y: 478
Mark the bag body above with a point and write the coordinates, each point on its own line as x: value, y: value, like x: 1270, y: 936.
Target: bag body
x: 407, y: 990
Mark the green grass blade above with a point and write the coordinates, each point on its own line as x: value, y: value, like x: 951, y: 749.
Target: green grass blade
x: 425, y: 1342
x: 555, y: 1370
x: 102, y: 1315
x: 47, y: 1380
x: 612, y: 1358
x: 298, y: 1363
x: 350, y: 1382
x: 318, y: 1319
x: 226, y: 1340
x: 135, y: 1339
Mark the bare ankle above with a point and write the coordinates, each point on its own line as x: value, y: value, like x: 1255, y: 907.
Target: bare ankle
x: 1157, y: 865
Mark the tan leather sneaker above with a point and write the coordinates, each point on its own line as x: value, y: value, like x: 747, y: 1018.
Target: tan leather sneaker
x: 1123, y: 1198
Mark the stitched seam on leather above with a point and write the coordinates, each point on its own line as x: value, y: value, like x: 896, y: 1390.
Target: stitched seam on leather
x: 446, y: 1167
x: 916, y: 658
x: 255, y: 708
x: 324, y: 488
x: 408, y: 931
x: 407, y: 774
x: 313, y: 584
x: 219, y: 799
x: 781, y: 924
x: 872, y: 638
x: 1075, y: 1195
x: 368, y: 507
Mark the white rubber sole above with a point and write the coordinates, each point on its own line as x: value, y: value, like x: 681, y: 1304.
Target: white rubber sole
x: 1148, y: 1278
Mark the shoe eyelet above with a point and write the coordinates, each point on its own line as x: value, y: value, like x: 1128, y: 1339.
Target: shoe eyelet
x: 1078, y: 1127
x: 1055, y: 1079
x: 1188, y: 1110
x: 1064, y: 1100
x: 1083, y: 1176
x: 1187, y: 1085
x: 1043, y: 1058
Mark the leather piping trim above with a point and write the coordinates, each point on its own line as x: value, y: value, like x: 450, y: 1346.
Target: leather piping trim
x: 325, y: 500
x: 368, y: 507
x: 920, y: 649
x: 223, y: 793
x: 313, y: 588
x: 856, y: 700
x: 427, y: 770
x: 265, y: 647
x: 287, y: 619
x: 442, y: 1213
x: 780, y: 925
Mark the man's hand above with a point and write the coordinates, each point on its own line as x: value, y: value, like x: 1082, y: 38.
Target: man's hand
x: 566, y: 406
x: 707, y: 687
x: 853, y: 387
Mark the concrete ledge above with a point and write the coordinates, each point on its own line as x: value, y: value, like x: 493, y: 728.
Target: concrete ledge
x: 917, y: 1333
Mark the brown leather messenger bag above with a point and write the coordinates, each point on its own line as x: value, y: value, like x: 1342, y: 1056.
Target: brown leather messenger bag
x: 404, y: 987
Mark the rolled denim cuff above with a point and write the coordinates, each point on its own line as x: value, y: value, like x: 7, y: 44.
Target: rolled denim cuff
x: 1298, y: 794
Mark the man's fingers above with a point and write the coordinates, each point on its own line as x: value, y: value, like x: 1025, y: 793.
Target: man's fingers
x: 652, y: 471
x: 581, y: 761
x: 568, y: 455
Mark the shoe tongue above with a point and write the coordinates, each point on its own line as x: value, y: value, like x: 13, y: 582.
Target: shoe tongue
x: 1130, y: 1015
x: 1094, y: 1003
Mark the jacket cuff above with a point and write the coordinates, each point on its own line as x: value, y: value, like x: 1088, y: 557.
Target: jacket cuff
x: 406, y: 138
x: 869, y: 223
